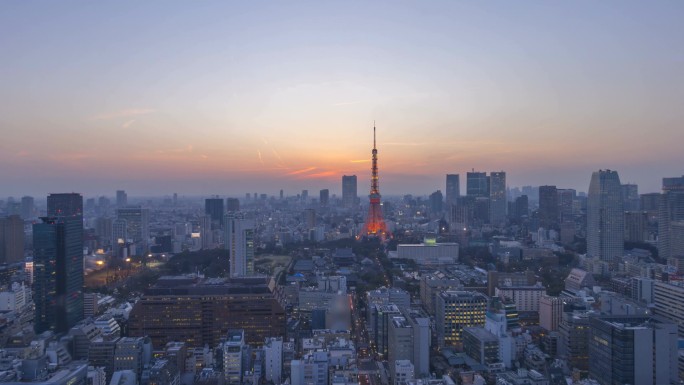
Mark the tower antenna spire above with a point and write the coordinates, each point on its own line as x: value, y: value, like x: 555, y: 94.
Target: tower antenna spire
x: 374, y: 134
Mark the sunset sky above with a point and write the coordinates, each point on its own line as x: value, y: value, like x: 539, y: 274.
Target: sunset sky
x: 216, y: 97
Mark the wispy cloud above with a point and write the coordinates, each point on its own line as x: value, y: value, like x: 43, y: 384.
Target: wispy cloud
x: 302, y: 171
x: 179, y: 150
x: 128, y: 123
x: 127, y: 113
x: 260, y: 158
x: 322, y: 174
x: 360, y: 161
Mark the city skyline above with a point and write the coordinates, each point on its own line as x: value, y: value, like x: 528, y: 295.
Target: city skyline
x: 232, y: 98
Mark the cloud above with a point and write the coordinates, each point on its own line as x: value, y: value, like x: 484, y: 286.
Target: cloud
x: 128, y: 123
x: 302, y: 171
x: 127, y: 113
x: 360, y: 161
x: 260, y: 158
x: 322, y: 174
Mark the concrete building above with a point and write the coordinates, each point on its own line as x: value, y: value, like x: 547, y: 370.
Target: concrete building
x: 456, y: 310
x: 429, y: 252
x: 433, y: 283
x: 526, y: 298
x: 481, y: 345
x: 668, y: 299
x: 273, y: 352
x: 312, y: 369
x: 234, y: 351
x: 239, y: 240
x: 633, y: 350
x: 636, y: 226
x: 549, y: 213
x: 550, y: 312
x: 402, y: 372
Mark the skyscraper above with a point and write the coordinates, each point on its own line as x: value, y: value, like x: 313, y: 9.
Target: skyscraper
x: 548, y: 207
x: 477, y: 184
x: 213, y: 207
x: 453, y: 190
x: 605, y: 216
x: 206, y: 233
x: 239, y: 241
x: 632, y: 350
x: 58, y: 273
x: 436, y: 203
x: 232, y: 205
x: 137, y: 224
x: 630, y: 197
x: 349, y: 191
x: 121, y: 199
x: 324, y: 196
x: 670, y: 210
x: 64, y: 205
x: 11, y: 239
x: 375, y: 225
x: 497, y: 198
x: 27, y: 207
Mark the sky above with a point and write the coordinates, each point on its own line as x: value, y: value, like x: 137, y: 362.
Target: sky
x: 216, y: 97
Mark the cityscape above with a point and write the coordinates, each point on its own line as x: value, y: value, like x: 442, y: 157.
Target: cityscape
x: 458, y: 193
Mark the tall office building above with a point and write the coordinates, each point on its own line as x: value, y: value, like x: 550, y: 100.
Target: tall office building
x: 206, y: 234
x: 137, y: 223
x: 121, y: 199
x: 632, y: 350
x: 58, y: 273
x: 630, y: 197
x: 670, y: 210
x: 456, y: 310
x: 349, y: 191
x: 232, y: 205
x: 566, y: 201
x: 477, y: 184
x: 324, y: 197
x: 436, y: 202
x: 234, y: 352
x: 27, y: 207
x: 213, y: 207
x: 64, y: 205
x: 497, y: 198
x: 11, y: 239
x: 605, y: 216
x: 239, y: 240
x: 548, y: 207
x: 453, y: 190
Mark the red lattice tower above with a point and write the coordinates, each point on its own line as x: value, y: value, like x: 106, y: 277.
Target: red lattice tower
x: 375, y: 224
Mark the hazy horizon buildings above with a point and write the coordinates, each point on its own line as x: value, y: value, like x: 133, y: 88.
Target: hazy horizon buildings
x: 121, y: 199
x: 11, y: 239
x: 64, y: 204
x: 349, y: 191
x: 548, y: 207
x: 137, y: 224
x: 605, y: 216
x: 477, y: 184
x: 453, y: 190
x: 670, y: 211
x: 213, y: 207
x: 497, y: 198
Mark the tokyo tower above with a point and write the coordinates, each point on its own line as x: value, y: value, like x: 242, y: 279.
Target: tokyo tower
x: 375, y: 225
